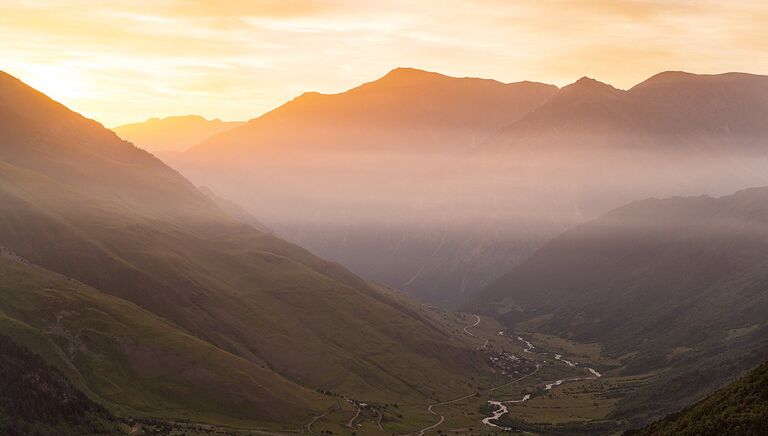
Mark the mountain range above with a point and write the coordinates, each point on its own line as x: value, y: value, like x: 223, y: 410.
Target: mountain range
x: 438, y: 185
x: 170, y: 136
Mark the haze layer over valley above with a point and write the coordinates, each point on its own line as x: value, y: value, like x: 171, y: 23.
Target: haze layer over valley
x: 438, y: 185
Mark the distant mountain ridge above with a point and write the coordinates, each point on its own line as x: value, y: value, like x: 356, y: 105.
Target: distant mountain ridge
x: 438, y: 185
x: 661, y: 108
x: 405, y: 98
x: 170, y: 136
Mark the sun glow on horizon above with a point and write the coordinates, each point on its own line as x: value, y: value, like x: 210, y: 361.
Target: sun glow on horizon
x: 121, y: 62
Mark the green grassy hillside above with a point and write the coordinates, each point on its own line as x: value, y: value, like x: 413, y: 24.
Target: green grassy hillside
x: 77, y: 200
x: 740, y: 408
x: 136, y: 363
x: 246, y: 292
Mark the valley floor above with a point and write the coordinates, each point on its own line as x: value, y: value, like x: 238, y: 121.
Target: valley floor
x: 542, y: 385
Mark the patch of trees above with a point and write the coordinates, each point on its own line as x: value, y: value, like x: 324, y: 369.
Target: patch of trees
x: 36, y: 399
x: 740, y: 408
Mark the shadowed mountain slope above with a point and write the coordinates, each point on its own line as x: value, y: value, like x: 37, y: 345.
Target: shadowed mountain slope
x: 77, y: 200
x: 741, y: 408
x: 135, y: 363
x: 38, y: 399
x: 678, y: 286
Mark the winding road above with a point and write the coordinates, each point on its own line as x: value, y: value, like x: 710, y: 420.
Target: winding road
x: 351, y: 422
x: 319, y: 417
x: 456, y: 400
x: 441, y: 418
x: 467, y: 332
x: 378, y: 420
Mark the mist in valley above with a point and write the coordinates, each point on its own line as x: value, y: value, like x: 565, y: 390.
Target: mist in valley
x: 405, y: 192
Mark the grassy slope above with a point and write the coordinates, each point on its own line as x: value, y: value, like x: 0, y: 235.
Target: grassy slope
x: 242, y: 290
x: 135, y: 362
x: 740, y: 408
x: 77, y: 200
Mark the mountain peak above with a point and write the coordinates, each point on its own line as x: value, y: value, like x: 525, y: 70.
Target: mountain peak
x: 665, y: 77
x: 586, y: 80
x: 589, y: 88
x: 404, y: 75
x: 591, y: 84
x: 409, y: 72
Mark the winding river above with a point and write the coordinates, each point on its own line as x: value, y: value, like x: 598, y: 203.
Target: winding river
x: 501, y: 408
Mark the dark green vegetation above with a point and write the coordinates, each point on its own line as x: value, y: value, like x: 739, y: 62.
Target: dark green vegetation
x: 675, y: 288
x: 741, y: 408
x: 36, y: 399
x: 567, y: 429
x: 156, y: 302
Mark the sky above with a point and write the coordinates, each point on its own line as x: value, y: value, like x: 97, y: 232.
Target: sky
x: 126, y: 61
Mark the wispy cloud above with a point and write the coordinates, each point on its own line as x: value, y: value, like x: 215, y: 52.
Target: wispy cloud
x: 122, y: 61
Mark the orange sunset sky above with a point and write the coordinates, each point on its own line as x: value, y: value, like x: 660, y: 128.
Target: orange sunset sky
x: 125, y: 61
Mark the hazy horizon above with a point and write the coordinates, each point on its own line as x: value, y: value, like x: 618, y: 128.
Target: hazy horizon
x: 123, y: 62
